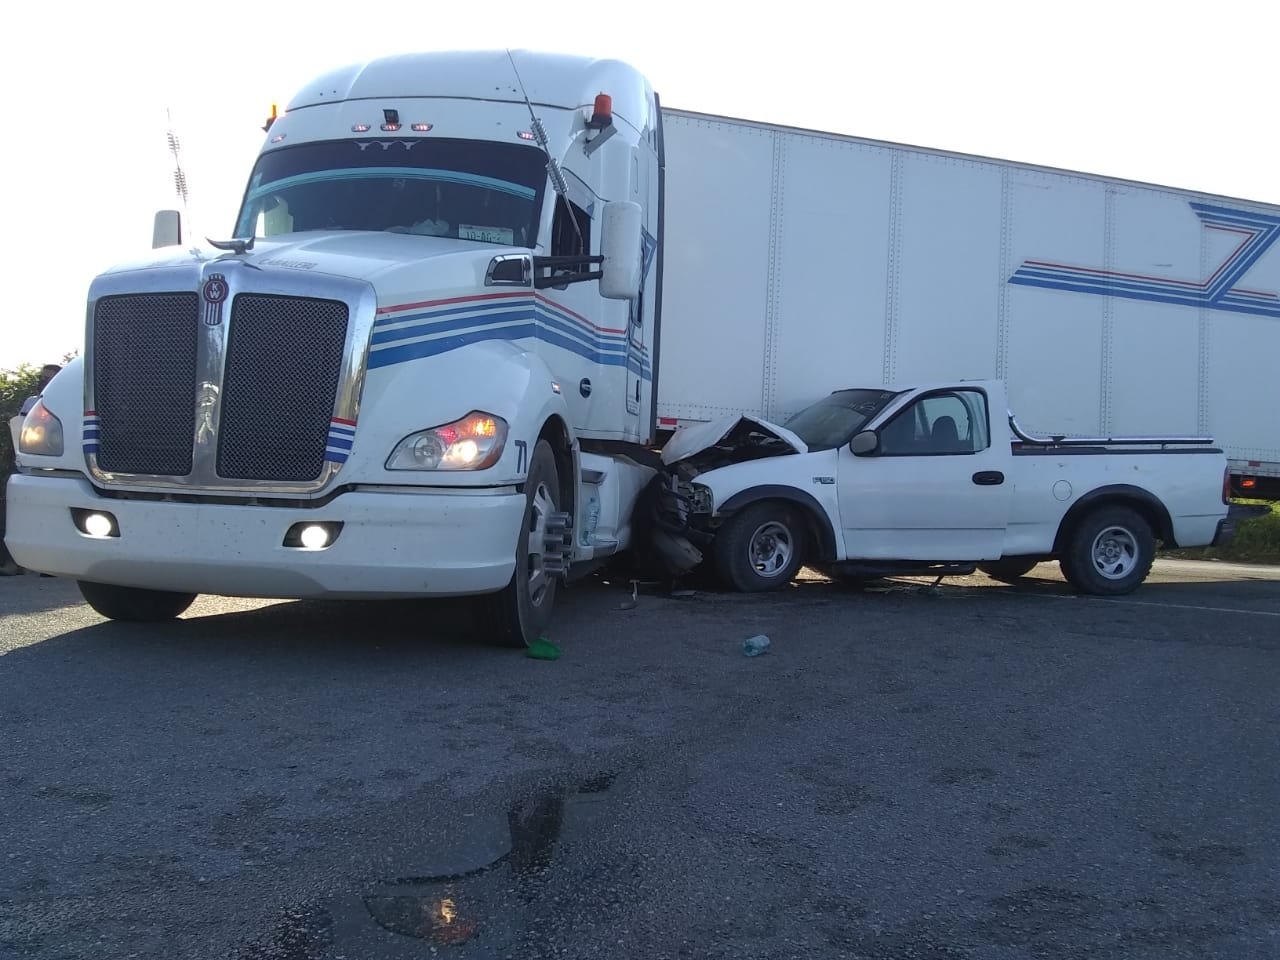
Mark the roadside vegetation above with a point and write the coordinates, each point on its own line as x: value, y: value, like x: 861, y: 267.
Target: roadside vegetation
x: 15, y: 387
x: 1256, y: 541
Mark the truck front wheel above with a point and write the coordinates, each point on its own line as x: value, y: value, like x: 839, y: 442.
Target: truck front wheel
x: 134, y: 604
x: 761, y: 547
x: 1110, y: 552
x: 521, y: 612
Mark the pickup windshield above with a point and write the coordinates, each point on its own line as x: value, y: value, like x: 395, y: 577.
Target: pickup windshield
x: 469, y: 189
x: 833, y: 420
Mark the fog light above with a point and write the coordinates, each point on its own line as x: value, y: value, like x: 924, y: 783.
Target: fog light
x: 95, y: 523
x: 312, y: 536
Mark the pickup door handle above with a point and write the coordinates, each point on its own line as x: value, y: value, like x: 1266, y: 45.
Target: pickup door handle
x: 988, y: 478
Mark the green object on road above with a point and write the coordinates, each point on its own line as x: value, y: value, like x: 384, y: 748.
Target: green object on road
x: 543, y: 649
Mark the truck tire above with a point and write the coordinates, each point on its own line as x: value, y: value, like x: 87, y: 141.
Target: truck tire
x: 134, y: 604
x: 1010, y: 570
x: 520, y: 613
x: 761, y: 547
x: 1109, y: 552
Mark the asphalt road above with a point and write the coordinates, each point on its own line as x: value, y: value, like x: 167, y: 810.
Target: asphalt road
x: 974, y: 772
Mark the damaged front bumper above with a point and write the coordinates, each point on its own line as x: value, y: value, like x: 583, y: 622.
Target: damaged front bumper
x: 665, y: 543
x: 675, y: 516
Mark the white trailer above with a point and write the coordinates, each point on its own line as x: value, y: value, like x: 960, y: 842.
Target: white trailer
x: 798, y: 262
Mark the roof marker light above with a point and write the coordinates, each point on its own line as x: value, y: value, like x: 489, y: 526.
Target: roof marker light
x: 601, y: 112
x: 360, y: 128
x: 389, y: 127
x: 420, y: 127
x: 526, y: 135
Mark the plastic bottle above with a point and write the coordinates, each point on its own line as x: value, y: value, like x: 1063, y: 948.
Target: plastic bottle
x: 593, y: 518
x: 754, y: 646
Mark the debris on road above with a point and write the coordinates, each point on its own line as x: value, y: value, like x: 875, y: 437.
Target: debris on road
x: 635, y: 597
x: 754, y: 646
x: 542, y: 649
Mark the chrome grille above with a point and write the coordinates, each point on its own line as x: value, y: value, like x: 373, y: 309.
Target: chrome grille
x: 144, y: 372
x: 284, y: 358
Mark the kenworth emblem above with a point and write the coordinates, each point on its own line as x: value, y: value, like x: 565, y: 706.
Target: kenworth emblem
x: 214, y: 292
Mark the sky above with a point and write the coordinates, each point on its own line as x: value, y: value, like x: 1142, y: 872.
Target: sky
x: 1180, y: 95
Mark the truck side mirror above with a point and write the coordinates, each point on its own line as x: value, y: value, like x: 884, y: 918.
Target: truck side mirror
x: 620, y: 224
x: 864, y: 444
x: 167, y: 231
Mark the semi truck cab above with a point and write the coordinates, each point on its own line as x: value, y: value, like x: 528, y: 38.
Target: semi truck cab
x: 417, y: 366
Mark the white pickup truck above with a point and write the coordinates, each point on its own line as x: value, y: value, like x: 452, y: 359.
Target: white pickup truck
x: 939, y: 479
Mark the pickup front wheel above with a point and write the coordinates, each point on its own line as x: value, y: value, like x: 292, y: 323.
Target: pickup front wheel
x: 1109, y: 552
x: 761, y: 547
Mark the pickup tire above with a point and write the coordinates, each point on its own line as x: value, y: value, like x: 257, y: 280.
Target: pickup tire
x: 762, y: 547
x: 1008, y: 571
x: 1109, y: 552
x: 134, y: 604
x: 520, y: 613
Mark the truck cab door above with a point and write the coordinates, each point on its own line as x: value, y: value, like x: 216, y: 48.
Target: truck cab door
x: 933, y: 489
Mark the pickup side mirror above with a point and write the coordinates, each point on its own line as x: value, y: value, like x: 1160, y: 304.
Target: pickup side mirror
x: 167, y: 231
x: 620, y: 225
x: 864, y: 444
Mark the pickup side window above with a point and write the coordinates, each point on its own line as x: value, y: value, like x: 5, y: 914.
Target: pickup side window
x: 948, y: 422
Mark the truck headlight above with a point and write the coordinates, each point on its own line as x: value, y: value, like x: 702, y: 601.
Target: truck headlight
x: 472, y: 443
x: 41, y: 433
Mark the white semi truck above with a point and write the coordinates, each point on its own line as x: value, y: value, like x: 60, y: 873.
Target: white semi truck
x: 466, y: 292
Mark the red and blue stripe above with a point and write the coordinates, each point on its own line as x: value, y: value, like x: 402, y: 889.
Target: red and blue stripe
x: 1219, y: 292
x: 409, y: 331
x: 90, y: 431
x: 342, y: 434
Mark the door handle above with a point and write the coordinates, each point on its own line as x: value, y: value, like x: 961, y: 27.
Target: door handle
x: 988, y: 478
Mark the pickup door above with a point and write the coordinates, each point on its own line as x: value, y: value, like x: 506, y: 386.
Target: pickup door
x: 934, y: 488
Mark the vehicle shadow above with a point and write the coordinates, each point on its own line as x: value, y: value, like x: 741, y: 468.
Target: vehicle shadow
x: 32, y: 594
x: 411, y: 632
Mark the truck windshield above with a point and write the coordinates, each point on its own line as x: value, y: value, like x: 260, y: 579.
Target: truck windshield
x: 469, y: 189
x: 833, y: 420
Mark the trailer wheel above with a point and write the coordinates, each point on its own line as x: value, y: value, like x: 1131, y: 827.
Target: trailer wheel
x: 1008, y: 571
x: 761, y: 548
x: 1110, y: 552
x: 520, y: 613
x: 134, y: 604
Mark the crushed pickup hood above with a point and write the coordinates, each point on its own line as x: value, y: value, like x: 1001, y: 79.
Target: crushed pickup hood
x: 736, y: 437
